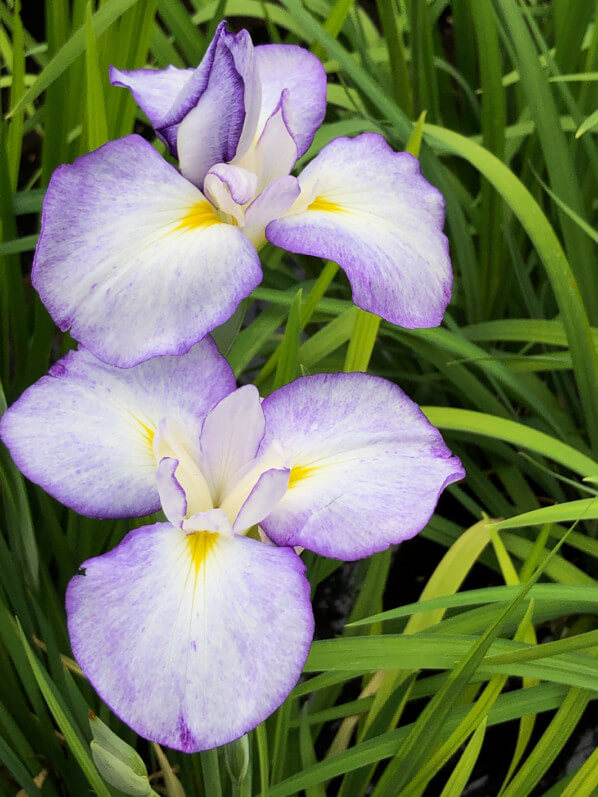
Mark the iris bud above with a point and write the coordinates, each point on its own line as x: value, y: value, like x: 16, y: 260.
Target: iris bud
x: 117, y: 762
x: 237, y: 759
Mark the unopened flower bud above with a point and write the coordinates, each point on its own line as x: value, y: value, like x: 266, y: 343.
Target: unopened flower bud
x: 117, y: 762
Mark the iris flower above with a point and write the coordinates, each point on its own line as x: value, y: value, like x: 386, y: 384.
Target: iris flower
x: 194, y: 630
x: 139, y: 258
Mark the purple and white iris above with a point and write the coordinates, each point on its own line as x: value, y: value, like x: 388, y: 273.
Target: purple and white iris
x: 140, y: 259
x: 192, y: 630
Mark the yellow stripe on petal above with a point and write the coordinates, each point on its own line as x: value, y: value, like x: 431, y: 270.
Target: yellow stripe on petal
x: 198, y: 216
x: 148, y: 435
x: 320, y: 203
x: 200, y: 545
x: 298, y: 473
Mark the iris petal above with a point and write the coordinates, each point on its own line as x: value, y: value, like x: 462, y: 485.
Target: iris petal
x: 367, y: 468
x: 370, y: 210
x: 192, y: 640
x: 86, y: 431
x: 287, y: 66
x: 133, y: 258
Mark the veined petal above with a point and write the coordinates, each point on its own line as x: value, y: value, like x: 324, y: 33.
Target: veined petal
x: 370, y: 210
x: 243, y: 52
x: 287, y: 66
x: 133, y: 258
x: 193, y: 89
x: 269, y: 489
x: 367, y: 468
x: 85, y: 431
x: 230, y: 438
x: 209, y: 133
x: 192, y: 640
x: 154, y: 90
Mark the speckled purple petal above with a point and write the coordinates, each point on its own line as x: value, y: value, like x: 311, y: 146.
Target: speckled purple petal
x: 133, y: 260
x: 381, y: 221
x: 367, y: 468
x: 191, y: 658
x: 287, y: 66
x: 85, y: 431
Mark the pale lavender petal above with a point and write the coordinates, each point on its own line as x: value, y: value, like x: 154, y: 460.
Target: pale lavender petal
x: 132, y: 257
x: 85, y: 432
x: 271, y: 204
x: 154, y: 90
x: 367, y: 468
x: 275, y: 152
x: 241, y: 184
x: 191, y: 640
x: 172, y: 495
x: 270, y: 488
x: 371, y: 211
x: 212, y: 520
x: 230, y: 438
x: 286, y: 66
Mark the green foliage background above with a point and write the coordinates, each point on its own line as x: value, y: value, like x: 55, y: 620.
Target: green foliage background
x: 510, y: 93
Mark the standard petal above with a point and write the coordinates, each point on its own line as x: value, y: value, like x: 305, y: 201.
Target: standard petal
x: 230, y: 438
x: 370, y: 210
x: 287, y: 66
x: 367, y: 468
x: 154, y: 90
x: 270, y: 488
x: 210, y: 132
x: 85, y: 431
x: 192, y: 640
x: 133, y: 258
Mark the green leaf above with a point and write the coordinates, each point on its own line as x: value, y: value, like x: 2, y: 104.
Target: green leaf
x: 588, y: 124
x: 109, y: 12
x: 517, y: 434
x: 56, y: 705
x: 288, y: 360
x: 575, y: 319
x: 97, y: 125
x: 461, y: 773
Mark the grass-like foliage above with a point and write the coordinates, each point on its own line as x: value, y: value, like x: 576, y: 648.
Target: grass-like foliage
x: 483, y: 598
